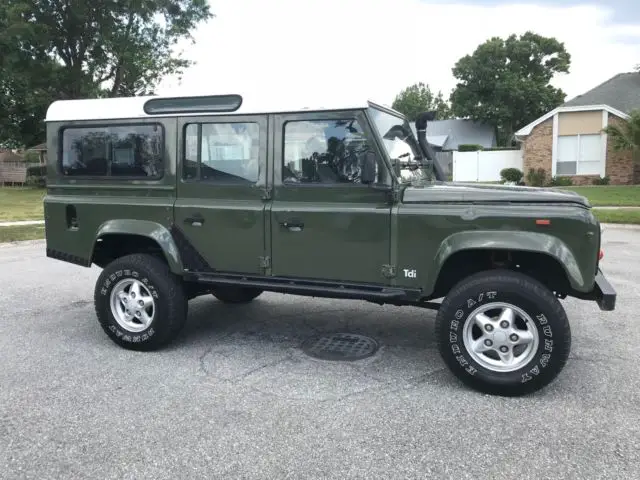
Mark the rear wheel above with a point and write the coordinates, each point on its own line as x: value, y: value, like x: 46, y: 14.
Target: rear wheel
x: 140, y: 304
x: 502, y: 332
x: 236, y: 294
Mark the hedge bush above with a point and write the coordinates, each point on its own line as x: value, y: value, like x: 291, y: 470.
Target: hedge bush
x: 601, y: 181
x: 511, y: 175
x: 39, y: 182
x: 469, y: 147
x: 37, y: 171
x: 561, y: 182
x: 537, y: 177
x: 37, y: 176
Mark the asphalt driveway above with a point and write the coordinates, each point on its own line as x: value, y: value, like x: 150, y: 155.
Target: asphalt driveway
x: 235, y: 397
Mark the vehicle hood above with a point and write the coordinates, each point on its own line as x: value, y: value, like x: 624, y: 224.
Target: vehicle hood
x: 446, y: 192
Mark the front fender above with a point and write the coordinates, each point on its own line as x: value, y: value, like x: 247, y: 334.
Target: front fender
x: 155, y: 231
x: 511, y: 240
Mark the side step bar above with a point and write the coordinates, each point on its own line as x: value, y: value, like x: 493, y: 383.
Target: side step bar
x: 316, y: 289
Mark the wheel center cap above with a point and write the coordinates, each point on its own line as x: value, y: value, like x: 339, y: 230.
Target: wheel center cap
x: 500, y: 338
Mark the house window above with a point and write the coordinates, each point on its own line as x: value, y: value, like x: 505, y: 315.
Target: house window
x: 579, y: 155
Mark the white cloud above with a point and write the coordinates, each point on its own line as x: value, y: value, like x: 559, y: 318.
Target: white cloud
x: 335, y: 50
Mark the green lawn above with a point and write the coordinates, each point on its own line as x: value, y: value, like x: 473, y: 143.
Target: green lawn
x: 18, y: 203
x: 22, y: 232
x: 610, y: 195
x: 617, y: 216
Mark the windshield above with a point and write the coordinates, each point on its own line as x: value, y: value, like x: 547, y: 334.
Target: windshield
x: 401, y: 145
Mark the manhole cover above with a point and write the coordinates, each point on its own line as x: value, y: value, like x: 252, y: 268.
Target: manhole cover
x: 340, y: 346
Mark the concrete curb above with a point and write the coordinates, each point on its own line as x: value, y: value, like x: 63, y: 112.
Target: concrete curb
x: 23, y: 243
x: 613, y: 207
x: 620, y: 226
x: 21, y: 223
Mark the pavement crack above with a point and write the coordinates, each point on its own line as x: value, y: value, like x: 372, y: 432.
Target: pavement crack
x: 260, y: 367
x: 203, y: 367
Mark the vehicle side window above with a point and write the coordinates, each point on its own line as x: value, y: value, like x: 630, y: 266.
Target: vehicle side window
x: 325, y: 151
x: 114, y: 151
x: 224, y: 152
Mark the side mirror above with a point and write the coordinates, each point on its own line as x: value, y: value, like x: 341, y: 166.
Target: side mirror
x: 368, y: 174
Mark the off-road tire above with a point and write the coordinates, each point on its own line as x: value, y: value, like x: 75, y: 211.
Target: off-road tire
x: 236, y: 294
x: 166, y: 288
x: 538, y: 302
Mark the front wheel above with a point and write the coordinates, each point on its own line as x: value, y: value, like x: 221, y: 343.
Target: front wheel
x: 504, y: 333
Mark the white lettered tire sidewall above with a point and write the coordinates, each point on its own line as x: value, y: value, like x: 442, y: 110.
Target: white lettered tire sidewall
x: 512, y: 288
x: 106, y: 286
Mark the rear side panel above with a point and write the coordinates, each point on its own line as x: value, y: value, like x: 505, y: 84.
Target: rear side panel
x: 78, y: 207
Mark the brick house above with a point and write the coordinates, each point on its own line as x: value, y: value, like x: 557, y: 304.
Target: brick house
x: 568, y: 141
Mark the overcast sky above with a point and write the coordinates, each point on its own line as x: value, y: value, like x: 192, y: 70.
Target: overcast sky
x: 315, y: 50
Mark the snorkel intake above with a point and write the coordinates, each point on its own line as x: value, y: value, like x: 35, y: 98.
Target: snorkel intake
x: 427, y: 151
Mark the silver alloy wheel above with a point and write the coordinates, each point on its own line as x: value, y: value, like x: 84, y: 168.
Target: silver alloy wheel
x: 132, y: 305
x: 501, y: 337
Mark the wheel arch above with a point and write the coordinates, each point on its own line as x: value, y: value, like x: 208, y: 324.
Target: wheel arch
x: 116, y: 238
x: 550, y: 251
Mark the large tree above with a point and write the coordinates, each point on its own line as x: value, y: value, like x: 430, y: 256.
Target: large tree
x: 418, y: 98
x: 505, y: 82
x: 80, y: 48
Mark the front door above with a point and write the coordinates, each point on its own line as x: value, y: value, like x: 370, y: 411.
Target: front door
x: 324, y: 223
x: 221, y: 178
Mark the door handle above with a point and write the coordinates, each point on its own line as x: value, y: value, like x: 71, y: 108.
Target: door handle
x: 293, y: 225
x: 195, y: 221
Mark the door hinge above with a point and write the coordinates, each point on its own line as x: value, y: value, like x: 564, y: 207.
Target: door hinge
x: 265, y: 262
x: 266, y: 193
x: 395, y: 195
x: 389, y: 271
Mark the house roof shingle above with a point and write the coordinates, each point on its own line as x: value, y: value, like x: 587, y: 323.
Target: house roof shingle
x: 621, y: 92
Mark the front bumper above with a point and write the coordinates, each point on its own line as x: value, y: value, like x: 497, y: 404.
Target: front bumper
x: 604, y: 293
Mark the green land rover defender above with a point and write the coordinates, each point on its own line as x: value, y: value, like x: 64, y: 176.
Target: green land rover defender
x: 178, y: 197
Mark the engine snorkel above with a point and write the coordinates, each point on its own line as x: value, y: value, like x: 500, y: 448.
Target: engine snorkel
x: 427, y: 151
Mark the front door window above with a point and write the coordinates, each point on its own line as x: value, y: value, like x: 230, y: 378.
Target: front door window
x: 324, y: 151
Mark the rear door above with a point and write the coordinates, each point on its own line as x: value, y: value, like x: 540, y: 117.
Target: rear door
x: 222, y: 174
x: 324, y: 223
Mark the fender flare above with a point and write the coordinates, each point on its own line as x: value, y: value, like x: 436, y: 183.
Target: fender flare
x: 144, y: 228
x: 512, y: 240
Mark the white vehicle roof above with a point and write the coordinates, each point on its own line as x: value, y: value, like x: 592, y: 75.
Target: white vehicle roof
x: 133, y: 107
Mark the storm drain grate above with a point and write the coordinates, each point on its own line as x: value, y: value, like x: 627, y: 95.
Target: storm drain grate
x: 340, y: 346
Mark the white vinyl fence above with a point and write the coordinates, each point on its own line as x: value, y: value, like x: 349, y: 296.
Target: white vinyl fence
x: 484, y: 166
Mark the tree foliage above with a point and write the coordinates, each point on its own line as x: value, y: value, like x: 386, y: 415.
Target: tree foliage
x: 86, y: 48
x: 505, y: 82
x: 418, y: 98
x: 625, y: 135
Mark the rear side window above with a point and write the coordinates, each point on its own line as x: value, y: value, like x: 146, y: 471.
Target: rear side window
x: 113, y: 151
x: 224, y: 153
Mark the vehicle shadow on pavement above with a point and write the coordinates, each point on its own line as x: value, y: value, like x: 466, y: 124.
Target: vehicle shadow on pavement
x: 259, y: 346
x: 275, y: 316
